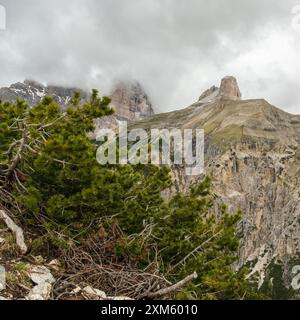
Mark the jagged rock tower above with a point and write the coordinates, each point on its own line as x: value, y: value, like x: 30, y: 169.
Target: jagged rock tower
x: 229, y: 89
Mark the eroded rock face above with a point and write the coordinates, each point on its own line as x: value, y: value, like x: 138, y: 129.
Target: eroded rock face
x: 252, y: 153
x: 265, y: 186
x: 229, y: 88
x: 209, y: 92
x: 131, y: 102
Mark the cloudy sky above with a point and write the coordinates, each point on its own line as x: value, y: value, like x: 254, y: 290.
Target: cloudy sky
x: 175, y: 48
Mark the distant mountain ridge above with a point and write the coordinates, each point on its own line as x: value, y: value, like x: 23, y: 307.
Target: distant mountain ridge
x: 33, y: 92
x: 128, y: 98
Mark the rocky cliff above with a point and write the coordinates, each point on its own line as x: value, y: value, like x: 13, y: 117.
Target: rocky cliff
x: 130, y: 103
x: 252, y: 152
x: 228, y: 89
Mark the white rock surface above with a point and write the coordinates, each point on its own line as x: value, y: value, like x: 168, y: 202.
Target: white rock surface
x: 40, y: 292
x: 54, y: 264
x: 95, y: 292
x: 76, y: 290
x: 40, y: 275
x: 121, y: 298
x: 229, y: 89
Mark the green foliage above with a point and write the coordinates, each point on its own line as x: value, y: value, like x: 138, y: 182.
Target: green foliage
x: 67, y: 194
x: 195, y: 238
x: 273, y: 285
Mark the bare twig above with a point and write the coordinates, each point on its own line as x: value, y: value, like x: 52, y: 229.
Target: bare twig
x: 196, y: 250
x: 174, y: 288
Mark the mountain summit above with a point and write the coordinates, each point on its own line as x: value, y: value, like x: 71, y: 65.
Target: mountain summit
x: 252, y: 153
x: 130, y: 101
x: 229, y: 89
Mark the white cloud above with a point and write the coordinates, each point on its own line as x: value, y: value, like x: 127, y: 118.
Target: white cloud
x: 176, y: 49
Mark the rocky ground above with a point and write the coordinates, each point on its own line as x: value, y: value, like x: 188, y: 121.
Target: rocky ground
x: 36, y: 278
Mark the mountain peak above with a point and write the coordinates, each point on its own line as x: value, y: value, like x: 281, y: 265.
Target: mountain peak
x: 130, y: 101
x: 228, y: 89
x: 33, y: 92
x: 33, y: 83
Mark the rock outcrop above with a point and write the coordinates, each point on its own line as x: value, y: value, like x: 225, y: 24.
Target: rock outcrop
x: 209, y: 92
x: 252, y: 152
x: 131, y: 102
x: 229, y: 89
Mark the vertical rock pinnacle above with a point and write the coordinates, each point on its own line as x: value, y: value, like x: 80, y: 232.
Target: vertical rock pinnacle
x: 229, y: 89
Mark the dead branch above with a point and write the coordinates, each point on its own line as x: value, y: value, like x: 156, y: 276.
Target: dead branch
x: 18, y: 232
x: 18, y: 156
x: 174, y: 288
x: 95, y: 263
x: 196, y: 250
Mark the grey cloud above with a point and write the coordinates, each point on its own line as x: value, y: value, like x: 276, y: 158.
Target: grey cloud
x: 174, y: 48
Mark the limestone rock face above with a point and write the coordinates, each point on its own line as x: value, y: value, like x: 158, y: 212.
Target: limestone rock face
x: 131, y: 102
x: 209, y: 92
x: 252, y: 153
x: 229, y: 89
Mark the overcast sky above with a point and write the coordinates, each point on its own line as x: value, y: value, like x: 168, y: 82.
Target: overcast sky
x: 175, y: 48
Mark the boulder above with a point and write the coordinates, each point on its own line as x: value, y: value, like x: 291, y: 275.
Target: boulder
x: 40, y: 292
x: 41, y: 274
